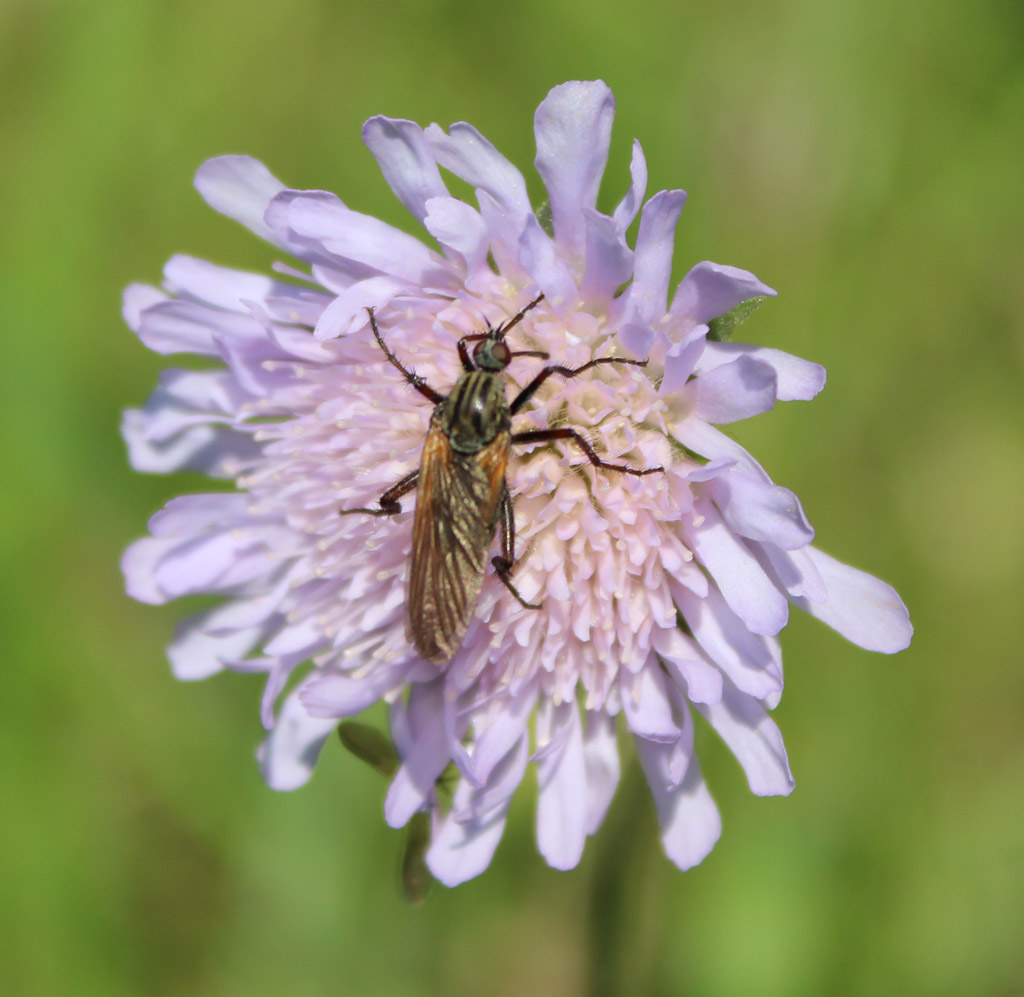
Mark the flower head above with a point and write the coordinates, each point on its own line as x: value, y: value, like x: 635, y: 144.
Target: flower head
x: 658, y: 594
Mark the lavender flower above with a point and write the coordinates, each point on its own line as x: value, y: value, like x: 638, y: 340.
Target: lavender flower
x: 659, y: 594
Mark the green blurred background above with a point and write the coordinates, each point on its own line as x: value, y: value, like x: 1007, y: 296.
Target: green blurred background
x: 865, y: 158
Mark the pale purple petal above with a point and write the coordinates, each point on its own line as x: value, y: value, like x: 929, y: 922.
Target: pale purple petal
x: 609, y: 259
x: 197, y: 653
x: 279, y: 671
x: 750, y: 593
x: 423, y: 759
x: 679, y: 361
x: 289, y: 752
x: 137, y: 565
x: 303, y: 636
x: 219, y: 286
x: 754, y: 738
x: 601, y: 761
x: 712, y: 443
x: 539, y: 259
x: 504, y: 781
x: 274, y: 341
x: 645, y: 703
x: 759, y: 511
x: 217, y: 451
x: 458, y: 228
x: 637, y: 341
x: 794, y: 571
x: 212, y: 641
x: 241, y: 188
x: 177, y: 327
x: 251, y: 611
x: 137, y: 298
x: 630, y: 204
x: 406, y: 161
x: 797, y: 380
x: 347, y: 312
x: 711, y: 289
x: 459, y: 852
x: 655, y: 243
x: 332, y: 272
x: 734, y: 391
x: 690, y: 822
x: 561, y: 781
x: 342, y: 696
x: 864, y: 609
x: 180, y: 326
x: 747, y: 659
x: 216, y: 560
x: 502, y: 728
x: 456, y: 723
x: 573, y: 126
x: 462, y: 848
x: 469, y: 155
x: 350, y: 236
x: 686, y: 663
x: 711, y: 471
x: 505, y: 230
x: 299, y: 307
x: 169, y: 435
x: 189, y: 514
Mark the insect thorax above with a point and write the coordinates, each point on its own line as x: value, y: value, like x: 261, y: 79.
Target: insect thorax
x: 475, y: 412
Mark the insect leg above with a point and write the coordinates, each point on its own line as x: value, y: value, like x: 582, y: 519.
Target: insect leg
x: 467, y: 364
x: 410, y: 375
x: 503, y: 564
x: 543, y: 435
x: 389, y: 505
x: 527, y: 393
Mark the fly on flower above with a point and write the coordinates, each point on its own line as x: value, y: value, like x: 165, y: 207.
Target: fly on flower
x: 661, y: 599
x: 462, y: 493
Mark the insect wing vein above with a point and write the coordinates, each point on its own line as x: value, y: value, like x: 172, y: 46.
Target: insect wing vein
x: 457, y: 508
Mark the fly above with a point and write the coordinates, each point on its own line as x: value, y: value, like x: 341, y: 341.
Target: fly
x: 461, y: 489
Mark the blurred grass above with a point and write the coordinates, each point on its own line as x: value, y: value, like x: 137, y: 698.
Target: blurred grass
x: 862, y: 157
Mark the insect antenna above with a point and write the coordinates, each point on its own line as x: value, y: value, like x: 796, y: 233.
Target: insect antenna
x: 491, y: 353
x: 516, y: 319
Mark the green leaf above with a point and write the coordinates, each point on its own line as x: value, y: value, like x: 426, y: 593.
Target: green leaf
x: 369, y: 745
x: 720, y: 329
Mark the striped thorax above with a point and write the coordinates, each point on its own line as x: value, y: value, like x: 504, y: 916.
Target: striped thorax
x: 475, y: 412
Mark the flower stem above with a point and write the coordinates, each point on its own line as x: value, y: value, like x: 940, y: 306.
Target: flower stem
x: 621, y: 841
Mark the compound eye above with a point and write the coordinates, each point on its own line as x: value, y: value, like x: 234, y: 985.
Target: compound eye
x: 492, y: 355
